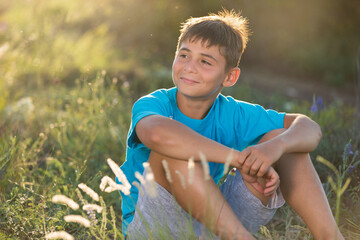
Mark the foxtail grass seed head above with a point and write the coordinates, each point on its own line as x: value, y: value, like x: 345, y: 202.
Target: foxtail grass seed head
x: 92, y: 207
x: 205, y: 166
x: 182, y: 179
x: 150, y: 185
x: 118, y: 173
x: 137, y: 185
x: 66, y: 201
x: 113, y: 186
x: 167, y: 170
x: 147, y: 167
x: 89, y: 191
x: 191, y: 167
x: 77, y: 219
x: 228, y: 161
x: 117, y: 187
x: 59, y: 235
x: 140, y: 178
x: 106, y: 180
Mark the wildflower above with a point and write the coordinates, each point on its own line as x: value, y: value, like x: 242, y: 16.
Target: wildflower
x: 205, y: 166
x: 314, y: 108
x: 191, y: 166
x: 92, y: 207
x: 61, y: 234
x: 118, y: 173
x: 228, y: 161
x: 92, y: 216
x: 66, y: 201
x: 348, y: 150
x: 350, y: 169
x: 319, y: 102
x: 233, y: 172
x: 167, y: 170
x: 89, y: 191
x: 182, y: 179
x: 78, y: 219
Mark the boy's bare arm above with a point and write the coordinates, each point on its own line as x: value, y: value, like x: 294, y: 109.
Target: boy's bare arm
x: 174, y: 139
x: 301, y: 135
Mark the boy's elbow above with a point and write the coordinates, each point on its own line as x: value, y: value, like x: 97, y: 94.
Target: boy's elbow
x: 150, y: 134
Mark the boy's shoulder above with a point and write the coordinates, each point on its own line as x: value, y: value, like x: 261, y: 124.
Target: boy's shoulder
x: 162, y: 93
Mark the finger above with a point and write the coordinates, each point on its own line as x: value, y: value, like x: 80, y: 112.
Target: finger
x: 262, y: 170
x: 243, y: 155
x: 248, y: 163
x: 258, y: 187
x: 269, y: 191
x: 255, y: 168
x: 273, y: 177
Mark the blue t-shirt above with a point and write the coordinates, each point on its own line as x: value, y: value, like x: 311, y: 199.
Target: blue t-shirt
x: 235, y: 124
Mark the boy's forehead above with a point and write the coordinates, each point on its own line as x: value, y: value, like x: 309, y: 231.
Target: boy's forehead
x: 204, y: 43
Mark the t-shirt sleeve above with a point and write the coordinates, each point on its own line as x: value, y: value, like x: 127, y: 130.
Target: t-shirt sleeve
x: 152, y: 104
x: 255, y: 121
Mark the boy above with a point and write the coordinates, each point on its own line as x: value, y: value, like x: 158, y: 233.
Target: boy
x: 177, y: 124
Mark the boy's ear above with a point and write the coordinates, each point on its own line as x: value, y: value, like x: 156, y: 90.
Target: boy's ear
x: 232, y: 77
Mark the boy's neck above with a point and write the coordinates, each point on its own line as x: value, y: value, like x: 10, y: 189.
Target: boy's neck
x: 194, y: 108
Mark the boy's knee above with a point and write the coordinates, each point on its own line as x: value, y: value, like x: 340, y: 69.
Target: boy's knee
x: 272, y: 134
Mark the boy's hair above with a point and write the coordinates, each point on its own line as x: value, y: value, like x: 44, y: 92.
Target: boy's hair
x: 227, y: 29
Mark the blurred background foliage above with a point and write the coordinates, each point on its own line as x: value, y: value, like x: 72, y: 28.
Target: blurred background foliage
x: 47, y: 41
x: 70, y: 71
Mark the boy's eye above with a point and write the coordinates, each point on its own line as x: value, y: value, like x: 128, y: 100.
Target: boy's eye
x: 183, y: 56
x: 206, y: 62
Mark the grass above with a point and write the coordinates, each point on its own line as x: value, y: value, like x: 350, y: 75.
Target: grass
x: 56, y: 139
x: 62, y: 116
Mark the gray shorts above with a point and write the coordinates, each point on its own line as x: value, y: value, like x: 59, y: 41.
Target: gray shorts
x: 163, y: 218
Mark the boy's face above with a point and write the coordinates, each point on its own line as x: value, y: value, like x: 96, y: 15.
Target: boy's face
x: 199, y: 71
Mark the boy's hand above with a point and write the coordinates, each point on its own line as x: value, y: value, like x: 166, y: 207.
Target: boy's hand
x: 266, y: 185
x: 256, y: 160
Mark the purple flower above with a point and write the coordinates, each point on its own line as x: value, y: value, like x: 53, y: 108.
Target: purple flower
x: 314, y: 108
x: 350, y: 169
x: 319, y: 102
x: 348, y: 150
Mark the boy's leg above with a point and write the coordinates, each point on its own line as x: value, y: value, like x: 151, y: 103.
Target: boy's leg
x: 202, y: 198
x: 302, y: 190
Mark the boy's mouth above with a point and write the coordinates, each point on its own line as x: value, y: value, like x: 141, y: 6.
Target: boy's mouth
x: 188, y: 81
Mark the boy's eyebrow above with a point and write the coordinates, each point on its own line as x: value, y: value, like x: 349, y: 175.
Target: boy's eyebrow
x: 203, y: 54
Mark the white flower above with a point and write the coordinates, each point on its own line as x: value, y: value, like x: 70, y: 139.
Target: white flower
x: 205, y: 166
x: 78, y: 219
x: 167, y: 170
x: 66, y: 201
x: 94, y: 207
x: 191, y: 166
x: 60, y: 234
x: 89, y: 191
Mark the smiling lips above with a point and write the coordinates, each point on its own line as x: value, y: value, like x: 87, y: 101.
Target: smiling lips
x: 188, y: 81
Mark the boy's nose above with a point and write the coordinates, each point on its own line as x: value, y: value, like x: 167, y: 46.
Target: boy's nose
x: 190, y: 66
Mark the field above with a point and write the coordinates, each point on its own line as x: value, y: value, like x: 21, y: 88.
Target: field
x: 66, y: 92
